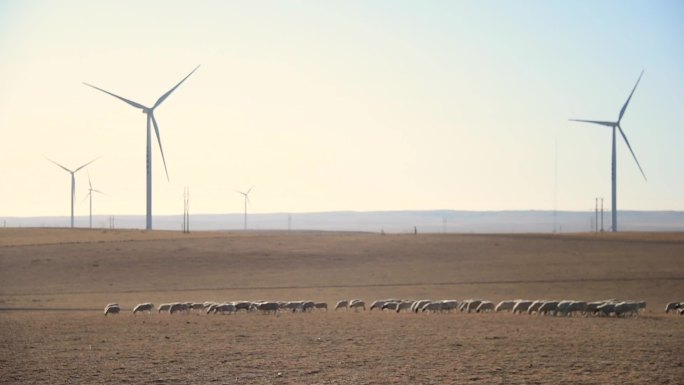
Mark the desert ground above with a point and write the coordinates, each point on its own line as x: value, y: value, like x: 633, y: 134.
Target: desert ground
x: 54, y: 284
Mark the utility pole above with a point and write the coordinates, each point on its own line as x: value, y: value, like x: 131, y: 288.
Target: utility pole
x: 601, y: 214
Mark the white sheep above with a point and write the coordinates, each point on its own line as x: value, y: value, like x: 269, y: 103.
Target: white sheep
x: 321, y: 306
x: 164, y: 307
x: 223, y: 308
x: 548, y: 307
x: 673, y: 306
x: 577, y: 307
x: 521, y: 306
x: 179, y: 307
x: 268, y: 307
x: 143, y: 307
x: 626, y: 308
x: 434, y: 307
x: 405, y: 305
x: 418, y: 305
x: 112, y: 308
x: 357, y: 304
x: 505, y: 306
x: 390, y: 306
x: 485, y: 306
x: 449, y: 304
x: 342, y: 304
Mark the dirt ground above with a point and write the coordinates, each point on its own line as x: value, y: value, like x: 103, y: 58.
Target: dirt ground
x: 55, y: 282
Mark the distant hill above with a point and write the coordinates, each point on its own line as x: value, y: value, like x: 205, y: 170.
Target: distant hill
x: 433, y: 221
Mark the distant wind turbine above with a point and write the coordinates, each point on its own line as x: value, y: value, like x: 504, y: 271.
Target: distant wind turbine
x: 246, y: 195
x: 91, y: 190
x: 615, y: 125
x: 150, y: 119
x: 73, y: 184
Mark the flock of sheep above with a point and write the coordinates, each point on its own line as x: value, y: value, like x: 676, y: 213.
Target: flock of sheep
x: 609, y: 307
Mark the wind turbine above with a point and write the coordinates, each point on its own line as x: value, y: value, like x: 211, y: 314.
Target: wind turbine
x: 614, y: 126
x: 149, y: 111
x: 73, y: 184
x: 246, y: 195
x: 91, y: 190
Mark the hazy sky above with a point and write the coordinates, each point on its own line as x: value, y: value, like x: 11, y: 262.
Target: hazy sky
x: 341, y: 105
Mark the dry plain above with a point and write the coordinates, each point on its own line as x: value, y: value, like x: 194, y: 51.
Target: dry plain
x: 54, y: 283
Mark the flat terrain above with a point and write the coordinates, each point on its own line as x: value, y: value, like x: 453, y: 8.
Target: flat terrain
x: 55, y: 282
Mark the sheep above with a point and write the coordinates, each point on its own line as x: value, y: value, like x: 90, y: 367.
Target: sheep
x: 673, y: 306
x: 268, y: 307
x: 321, y: 306
x: 548, y: 307
x: 418, y: 305
x: 607, y: 308
x: 592, y: 307
x: 377, y: 304
x: 562, y: 307
x: 681, y: 310
x: 521, y: 306
x: 356, y: 304
x: 485, y: 306
x: 626, y: 307
x: 390, y: 306
x: 112, y: 308
x: 404, y: 305
x: 449, y: 304
x: 342, y: 304
x: 577, y: 306
x: 472, y: 305
x: 432, y: 307
x: 164, y: 307
x: 242, y: 305
x: 505, y: 306
x: 143, y: 307
x: 534, y: 306
x: 292, y: 306
x: 308, y: 306
x: 223, y: 308
x: 179, y: 307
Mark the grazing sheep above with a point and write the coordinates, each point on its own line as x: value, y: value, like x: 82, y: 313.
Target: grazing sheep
x: 562, y: 307
x: 522, y: 306
x: 356, y: 304
x: 673, y: 306
x: 472, y: 305
x: 377, y: 304
x: 577, y: 307
x: 223, y: 308
x: 112, y: 308
x: 548, y: 307
x: 432, y: 307
x: 321, y: 306
x: 534, y: 306
x: 449, y: 304
x: 592, y: 307
x: 242, y: 305
x: 268, y: 307
x: 342, y: 304
x: 607, y: 308
x: 179, y: 307
x: 418, y: 305
x: 626, y: 308
x: 164, y: 307
x: 390, y: 306
x: 308, y: 306
x: 143, y: 307
x: 405, y: 305
x: 485, y: 306
x: 681, y: 310
x: 505, y: 306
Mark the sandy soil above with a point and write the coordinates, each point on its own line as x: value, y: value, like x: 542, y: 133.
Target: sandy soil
x: 63, y: 278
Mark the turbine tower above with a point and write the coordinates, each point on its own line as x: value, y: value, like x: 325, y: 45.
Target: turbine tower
x: 73, y: 184
x: 91, y: 190
x: 614, y: 126
x: 246, y: 195
x: 149, y: 111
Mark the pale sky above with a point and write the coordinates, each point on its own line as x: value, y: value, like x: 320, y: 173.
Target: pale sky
x: 341, y: 105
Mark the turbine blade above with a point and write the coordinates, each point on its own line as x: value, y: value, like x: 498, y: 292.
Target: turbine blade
x: 601, y: 122
x: 132, y: 103
x: 98, y: 191
x: 630, y: 150
x: 250, y: 190
x: 166, y: 95
x: 85, y: 197
x: 75, y: 171
x: 156, y: 130
x: 59, y: 165
x: 622, y: 111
